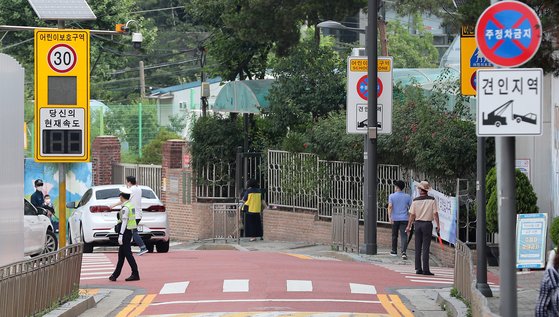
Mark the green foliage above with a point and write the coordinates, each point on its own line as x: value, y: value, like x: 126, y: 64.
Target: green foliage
x: 554, y: 231
x: 429, y: 135
x: 177, y: 123
x: 526, y: 199
x: 215, y: 139
x: 411, y: 50
x: 151, y: 153
x: 331, y: 142
x: 310, y: 83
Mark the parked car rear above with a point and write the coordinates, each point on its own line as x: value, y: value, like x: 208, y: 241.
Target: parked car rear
x: 93, y: 220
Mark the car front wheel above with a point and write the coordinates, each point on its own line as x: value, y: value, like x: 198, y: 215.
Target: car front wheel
x: 51, y: 242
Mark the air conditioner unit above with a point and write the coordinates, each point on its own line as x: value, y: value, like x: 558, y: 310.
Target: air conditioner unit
x: 182, y: 105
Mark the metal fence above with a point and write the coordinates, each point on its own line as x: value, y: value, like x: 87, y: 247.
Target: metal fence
x: 215, y: 181
x: 345, y: 228
x: 465, y: 281
x: 30, y: 287
x: 226, y: 221
x: 303, y: 181
x: 148, y: 175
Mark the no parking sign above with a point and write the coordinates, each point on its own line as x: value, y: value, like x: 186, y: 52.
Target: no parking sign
x: 508, y: 33
x: 358, y: 94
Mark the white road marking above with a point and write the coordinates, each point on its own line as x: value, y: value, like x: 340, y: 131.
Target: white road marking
x: 299, y: 286
x: 427, y: 277
x: 284, y: 300
x: 96, y: 269
x: 97, y: 273
x: 174, y: 288
x: 95, y: 277
x: 435, y: 282
x: 362, y: 289
x: 233, y: 286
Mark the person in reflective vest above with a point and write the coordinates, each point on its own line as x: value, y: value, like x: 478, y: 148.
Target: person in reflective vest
x: 253, y: 207
x: 126, y: 215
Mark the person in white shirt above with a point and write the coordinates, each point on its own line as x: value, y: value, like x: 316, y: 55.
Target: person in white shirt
x: 136, y: 200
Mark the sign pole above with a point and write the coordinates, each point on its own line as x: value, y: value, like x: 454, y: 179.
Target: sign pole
x: 506, y: 202
x: 481, y: 224
x: 371, y: 173
x: 61, y: 191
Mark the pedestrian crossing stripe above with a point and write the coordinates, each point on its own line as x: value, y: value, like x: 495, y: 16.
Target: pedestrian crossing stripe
x: 273, y: 314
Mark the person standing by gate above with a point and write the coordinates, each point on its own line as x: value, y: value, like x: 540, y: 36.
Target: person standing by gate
x: 126, y: 223
x: 423, y: 210
x: 398, y: 206
x: 252, y: 208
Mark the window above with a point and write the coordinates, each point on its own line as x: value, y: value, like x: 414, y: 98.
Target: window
x: 29, y: 210
x: 147, y: 193
x: 107, y: 193
x: 85, y: 198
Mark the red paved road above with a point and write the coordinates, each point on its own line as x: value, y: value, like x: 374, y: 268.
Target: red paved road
x: 267, y: 274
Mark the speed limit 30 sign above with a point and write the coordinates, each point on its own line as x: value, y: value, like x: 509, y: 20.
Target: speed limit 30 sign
x: 62, y: 58
x: 62, y: 96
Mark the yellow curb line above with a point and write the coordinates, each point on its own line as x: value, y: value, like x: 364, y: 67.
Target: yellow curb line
x: 391, y: 310
x: 397, y: 301
x: 300, y: 256
x: 130, y: 307
x: 145, y: 303
x: 89, y: 291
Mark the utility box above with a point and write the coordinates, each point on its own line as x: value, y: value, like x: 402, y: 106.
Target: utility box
x: 205, y: 89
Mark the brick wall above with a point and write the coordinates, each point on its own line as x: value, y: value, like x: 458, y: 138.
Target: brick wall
x: 281, y: 225
x: 104, y: 152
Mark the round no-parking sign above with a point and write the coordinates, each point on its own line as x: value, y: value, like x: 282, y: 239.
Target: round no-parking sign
x: 363, y: 90
x: 508, y: 33
x: 62, y: 58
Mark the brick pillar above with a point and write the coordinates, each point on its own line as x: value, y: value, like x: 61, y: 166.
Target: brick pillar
x: 172, y: 159
x: 104, y: 152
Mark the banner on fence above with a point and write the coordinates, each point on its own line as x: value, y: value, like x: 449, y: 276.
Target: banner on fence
x: 448, y: 209
x: 531, y: 232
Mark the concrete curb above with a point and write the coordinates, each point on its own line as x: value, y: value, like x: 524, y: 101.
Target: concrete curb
x: 73, y: 308
x: 452, y: 305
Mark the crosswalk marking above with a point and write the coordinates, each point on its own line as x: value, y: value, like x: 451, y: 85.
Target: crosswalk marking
x: 362, y: 289
x: 174, y: 288
x: 96, y: 266
x: 234, y: 286
x: 299, y: 286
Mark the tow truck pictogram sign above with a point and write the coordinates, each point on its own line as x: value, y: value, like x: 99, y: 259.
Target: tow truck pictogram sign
x: 509, y: 102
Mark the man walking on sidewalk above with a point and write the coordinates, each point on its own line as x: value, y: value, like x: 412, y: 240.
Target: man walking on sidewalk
x: 398, y: 206
x: 424, y: 209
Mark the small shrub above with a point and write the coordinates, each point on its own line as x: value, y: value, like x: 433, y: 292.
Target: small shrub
x: 554, y: 231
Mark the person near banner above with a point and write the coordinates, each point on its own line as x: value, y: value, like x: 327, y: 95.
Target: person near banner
x: 548, y: 300
x: 398, y: 206
x: 423, y: 210
x: 126, y: 224
x: 252, y: 207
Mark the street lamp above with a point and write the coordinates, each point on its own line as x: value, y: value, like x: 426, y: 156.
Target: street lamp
x: 370, y: 199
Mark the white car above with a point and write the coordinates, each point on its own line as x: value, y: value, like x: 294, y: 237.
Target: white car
x: 93, y: 221
x: 38, y: 236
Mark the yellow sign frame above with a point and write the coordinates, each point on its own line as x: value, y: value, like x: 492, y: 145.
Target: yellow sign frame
x: 78, y: 43
x: 468, y: 46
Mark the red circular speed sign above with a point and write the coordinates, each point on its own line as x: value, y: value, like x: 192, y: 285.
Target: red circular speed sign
x: 62, y: 58
x: 508, y: 33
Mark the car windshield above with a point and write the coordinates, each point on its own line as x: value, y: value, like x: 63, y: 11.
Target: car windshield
x: 114, y: 192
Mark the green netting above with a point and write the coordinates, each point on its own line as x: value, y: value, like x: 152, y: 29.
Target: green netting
x: 246, y: 96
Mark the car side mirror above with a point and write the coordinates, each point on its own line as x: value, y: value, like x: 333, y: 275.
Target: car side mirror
x: 71, y: 205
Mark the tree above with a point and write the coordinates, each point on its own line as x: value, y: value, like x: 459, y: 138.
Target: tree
x: 215, y: 139
x: 429, y: 135
x: 411, y: 50
x: 151, y: 153
x: 526, y: 199
x: 122, y: 121
x: 309, y: 84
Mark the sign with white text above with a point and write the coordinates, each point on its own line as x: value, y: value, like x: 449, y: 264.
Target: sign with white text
x: 531, y: 232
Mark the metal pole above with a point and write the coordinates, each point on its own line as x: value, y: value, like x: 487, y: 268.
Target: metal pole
x: 506, y: 202
x: 506, y: 197
x: 371, y: 175
x: 142, y: 81
x: 62, y: 191
x: 481, y: 226
x: 140, y: 130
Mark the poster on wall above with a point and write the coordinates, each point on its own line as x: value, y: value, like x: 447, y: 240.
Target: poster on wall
x: 448, y: 210
x: 524, y: 166
x: 531, y: 232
